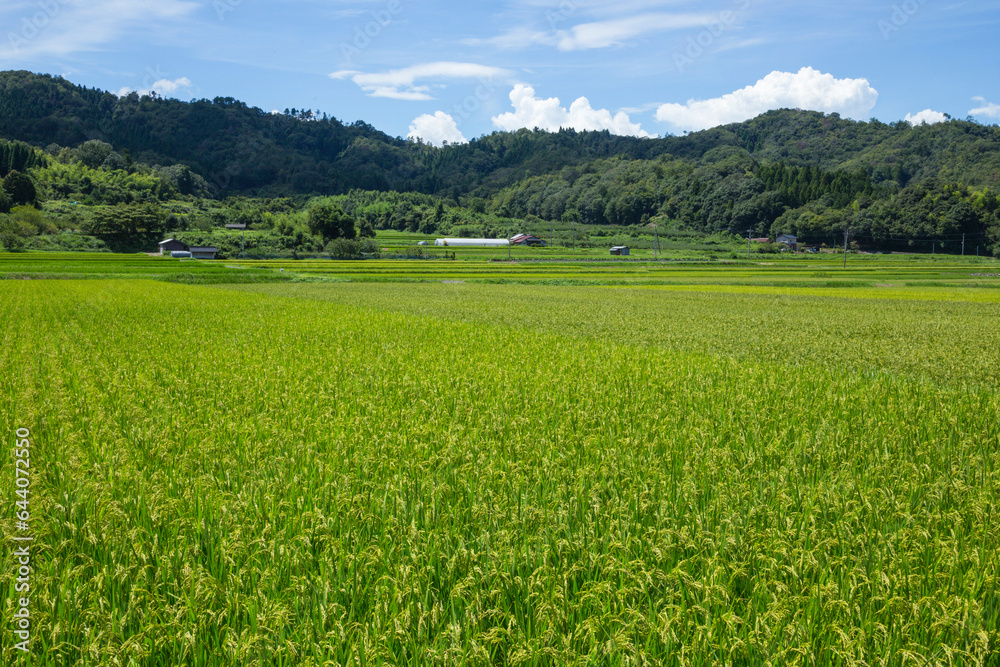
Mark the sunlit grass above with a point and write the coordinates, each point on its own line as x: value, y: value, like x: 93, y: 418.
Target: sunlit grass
x: 878, y: 292
x: 857, y: 329
x: 476, y: 474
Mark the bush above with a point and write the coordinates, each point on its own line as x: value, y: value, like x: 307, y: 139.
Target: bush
x: 66, y: 242
x: 21, y: 189
x: 343, y: 248
x: 11, y: 242
x: 329, y: 221
x: 259, y: 244
x: 352, y: 249
x: 93, y: 153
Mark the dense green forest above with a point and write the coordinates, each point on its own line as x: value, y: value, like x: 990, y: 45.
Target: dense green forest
x: 124, y: 171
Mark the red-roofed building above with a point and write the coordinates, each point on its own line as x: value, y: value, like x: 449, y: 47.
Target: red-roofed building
x: 526, y: 239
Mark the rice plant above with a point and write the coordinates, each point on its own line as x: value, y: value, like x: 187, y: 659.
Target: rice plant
x: 403, y: 475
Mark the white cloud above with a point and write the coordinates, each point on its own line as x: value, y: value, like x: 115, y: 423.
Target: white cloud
x: 989, y: 109
x: 66, y: 27
x: 925, y: 117
x: 163, y: 87
x: 518, y: 38
x: 742, y: 44
x: 602, y: 34
x: 436, y: 129
x: 806, y: 89
x: 596, y: 34
x: 530, y: 111
x: 643, y: 108
x: 401, y: 84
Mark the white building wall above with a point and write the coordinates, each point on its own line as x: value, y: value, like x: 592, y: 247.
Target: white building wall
x: 473, y: 242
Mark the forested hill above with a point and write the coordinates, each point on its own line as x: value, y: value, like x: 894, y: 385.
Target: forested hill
x: 235, y: 147
x: 800, y: 172
x: 244, y: 150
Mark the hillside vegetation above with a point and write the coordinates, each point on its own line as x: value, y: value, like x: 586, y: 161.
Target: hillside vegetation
x: 202, y: 164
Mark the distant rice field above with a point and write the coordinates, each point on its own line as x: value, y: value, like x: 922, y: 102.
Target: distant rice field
x: 814, y: 272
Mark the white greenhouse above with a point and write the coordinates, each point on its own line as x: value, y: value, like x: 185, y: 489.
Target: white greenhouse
x: 489, y: 243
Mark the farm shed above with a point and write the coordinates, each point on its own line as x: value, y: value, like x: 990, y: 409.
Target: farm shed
x: 489, y: 243
x: 203, y: 252
x: 526, y: 239
x: 168, y: 246
x: 619, y: 250
x: 789, y: 240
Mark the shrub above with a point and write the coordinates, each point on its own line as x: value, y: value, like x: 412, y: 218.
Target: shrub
x: 352, y: 249
x: 11, y: 242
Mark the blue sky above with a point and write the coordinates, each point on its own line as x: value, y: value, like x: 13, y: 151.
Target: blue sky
x: 449, y: 71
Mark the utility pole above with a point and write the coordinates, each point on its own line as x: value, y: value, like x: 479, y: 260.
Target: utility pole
x: 656, y: 243
x: 749, y: 232
x: 963, y: 245
x: 846, y: 232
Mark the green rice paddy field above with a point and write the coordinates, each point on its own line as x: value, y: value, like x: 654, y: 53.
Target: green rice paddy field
x: 473, y: 463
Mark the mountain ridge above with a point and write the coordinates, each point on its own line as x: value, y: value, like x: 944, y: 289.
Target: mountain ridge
x: 244, y: 150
